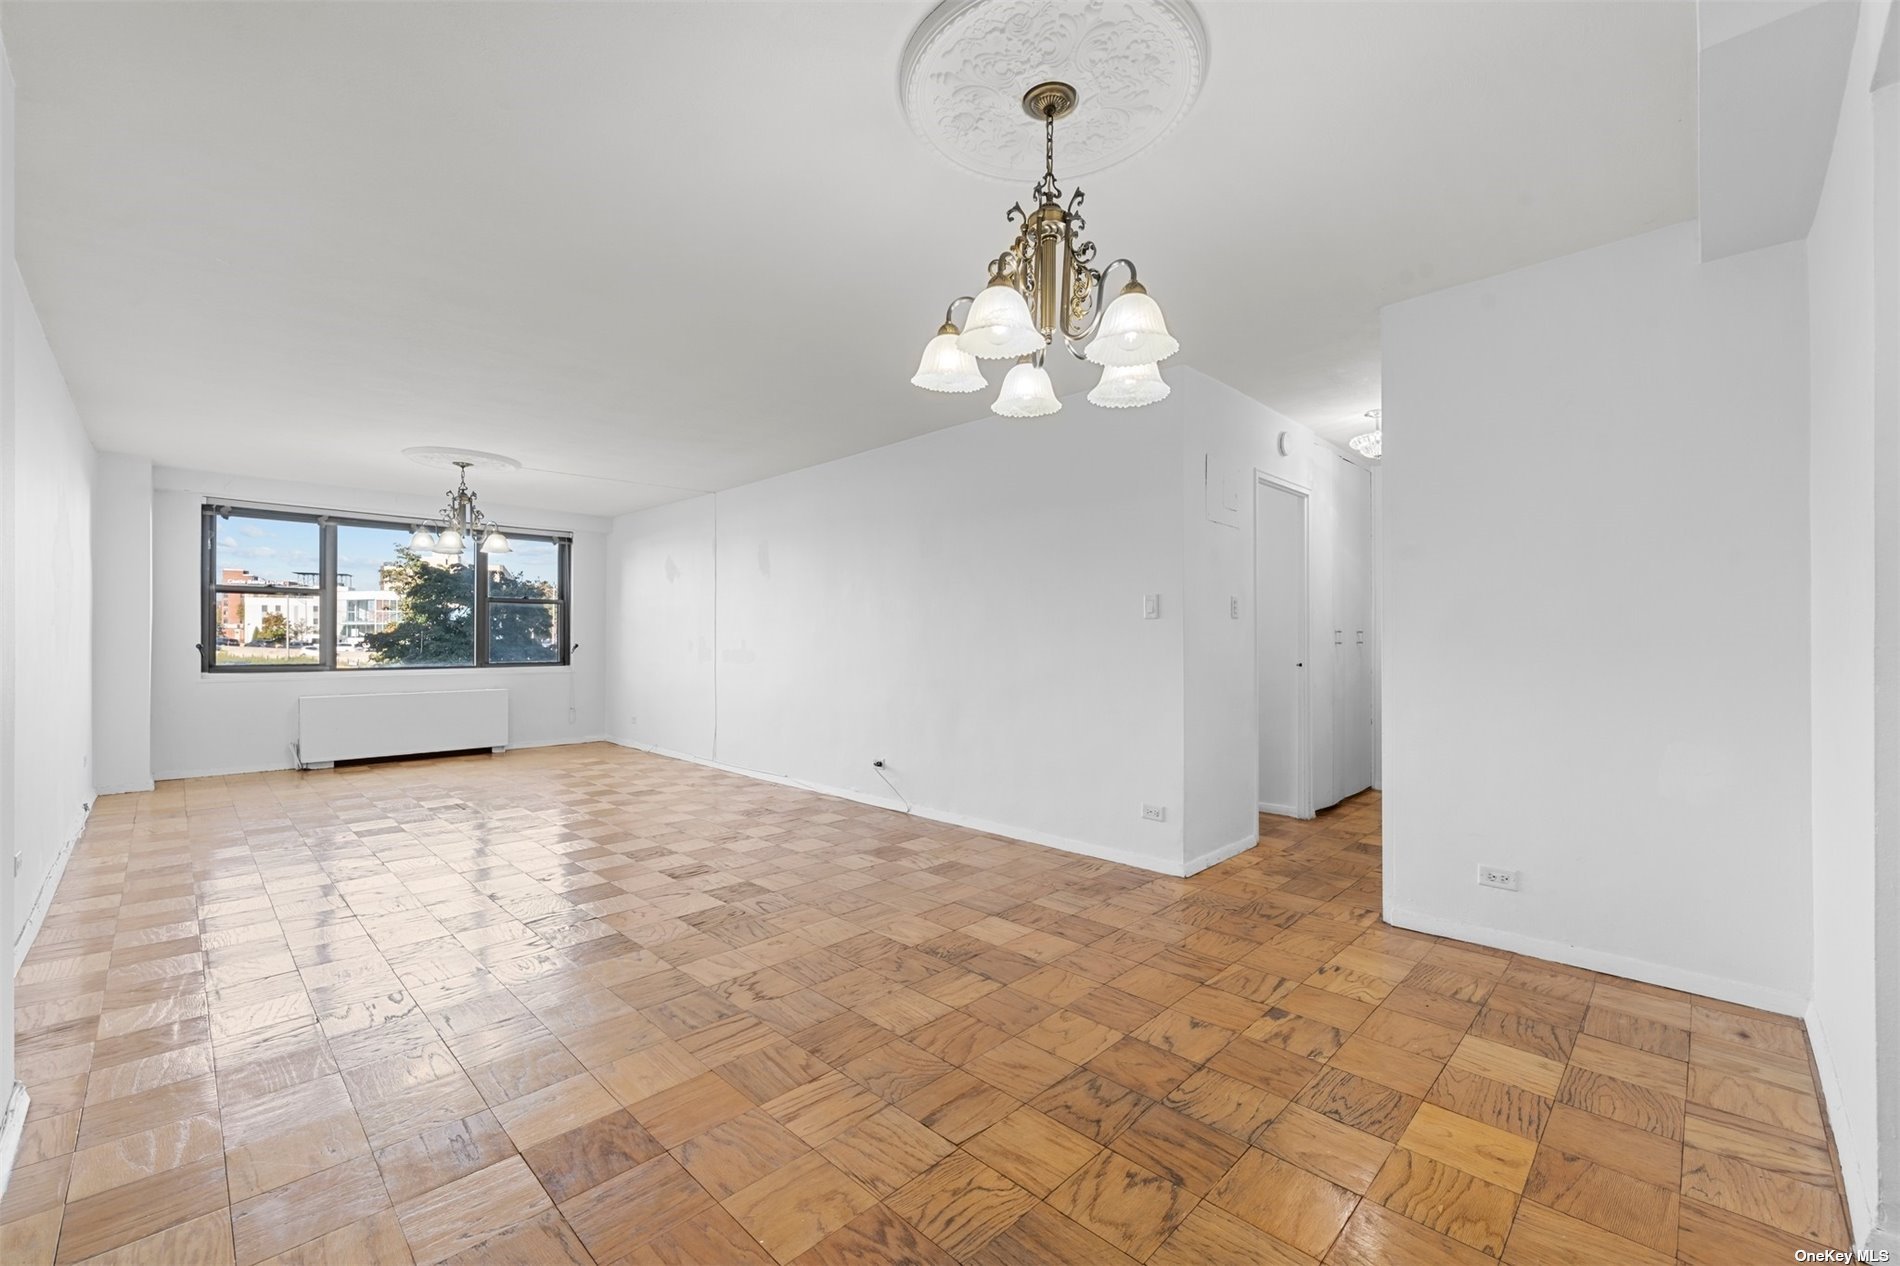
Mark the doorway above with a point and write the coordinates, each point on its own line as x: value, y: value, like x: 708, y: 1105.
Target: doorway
x: 1355, y: 686
x: 1281, y: 631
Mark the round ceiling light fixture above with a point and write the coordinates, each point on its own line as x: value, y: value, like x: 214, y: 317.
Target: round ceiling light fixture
x: 1135, y: 67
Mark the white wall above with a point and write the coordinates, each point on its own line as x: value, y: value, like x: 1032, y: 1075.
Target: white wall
x: 967, y: 606
x: 13, y: 1119
x: 122, y: 641
x: 1229, y: 439
x: 46, y: 481
x: 661, y: 672
x: 1596, y: 637
x: 1843, y: 1018
x: 211, y: 723
x: 1886, y: 259
x: 51, y: 635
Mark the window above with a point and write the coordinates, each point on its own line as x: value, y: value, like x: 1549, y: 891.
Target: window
x: 305, y: 591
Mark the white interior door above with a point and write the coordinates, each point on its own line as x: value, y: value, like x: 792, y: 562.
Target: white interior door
x: 1353, y: 683
x: 1280, y: 630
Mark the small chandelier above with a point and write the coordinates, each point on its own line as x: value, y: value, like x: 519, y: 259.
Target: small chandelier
x: 1372, y: 443
x: 461, y: 522
x: 1042, y: 289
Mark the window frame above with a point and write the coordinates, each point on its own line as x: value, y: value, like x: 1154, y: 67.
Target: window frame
x: 326, y: 591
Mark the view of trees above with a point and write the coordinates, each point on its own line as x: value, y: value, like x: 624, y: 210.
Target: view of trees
x: 272, y: 630
x: 435, y: 621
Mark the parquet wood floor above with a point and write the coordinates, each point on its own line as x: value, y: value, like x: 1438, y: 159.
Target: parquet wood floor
x: 584, y: 1004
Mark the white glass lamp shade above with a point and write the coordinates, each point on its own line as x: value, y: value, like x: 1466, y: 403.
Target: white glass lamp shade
x: 496, y: 543
x: 449, y: 543
x: 1132, y: 331
x: 1371, y: 444
x: 947, y: 367
x: 1027, y: 393
x: 999, y: 326
x: 424, y: 539
x: 1129, y: 386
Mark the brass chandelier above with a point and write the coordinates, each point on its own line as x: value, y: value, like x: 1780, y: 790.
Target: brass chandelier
x: 1044, y: 288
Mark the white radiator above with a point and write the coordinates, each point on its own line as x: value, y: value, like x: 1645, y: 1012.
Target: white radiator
x: 331, y: 728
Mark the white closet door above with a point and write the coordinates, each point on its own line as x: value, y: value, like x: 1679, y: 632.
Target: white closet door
x: 1352, y: 631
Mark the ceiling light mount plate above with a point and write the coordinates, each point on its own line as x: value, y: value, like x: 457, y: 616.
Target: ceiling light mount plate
x: 1054, y: 99
x: 450, y: 458
x: 1132, y: 69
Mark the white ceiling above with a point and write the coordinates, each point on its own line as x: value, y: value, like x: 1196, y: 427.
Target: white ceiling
x: 650, y: 248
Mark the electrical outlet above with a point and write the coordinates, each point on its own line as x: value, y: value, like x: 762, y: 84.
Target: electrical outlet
x: 570, y: 716
x: 1233, y: 608
x: 1155, y: 812
x: 19, y: 859
x: 1497, y: 877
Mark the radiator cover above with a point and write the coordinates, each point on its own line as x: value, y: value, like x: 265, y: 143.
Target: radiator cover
x: 331, y: 728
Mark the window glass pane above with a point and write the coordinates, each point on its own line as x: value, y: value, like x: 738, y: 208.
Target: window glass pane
x: 255, y: 551
x: 396, y: 608
x: 532, y: 569
x: 524, y: 633
x: 267, y: 629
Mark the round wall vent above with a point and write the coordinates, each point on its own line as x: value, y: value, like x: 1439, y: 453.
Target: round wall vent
x: 1137, y: 66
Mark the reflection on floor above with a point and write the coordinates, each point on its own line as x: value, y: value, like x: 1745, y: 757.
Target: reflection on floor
x: 584, y: 1004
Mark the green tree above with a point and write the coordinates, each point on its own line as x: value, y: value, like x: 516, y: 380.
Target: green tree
x: 520, y: 632
x: 435, y: 616
x: 273, y: 629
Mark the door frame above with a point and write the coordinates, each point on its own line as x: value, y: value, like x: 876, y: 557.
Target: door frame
x: 1302, y: 805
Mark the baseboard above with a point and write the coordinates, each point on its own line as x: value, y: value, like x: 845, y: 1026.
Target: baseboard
x: 129, y: 788
x: 174, y: 775
x: 43, y: 899
x: 1215, y: 856
x: 1279, y: 810
x: 561, y: 742
x: 12, y: 1130
x: 1746, y: 993
x: 1007, y: 830
x: 1861, y: 1195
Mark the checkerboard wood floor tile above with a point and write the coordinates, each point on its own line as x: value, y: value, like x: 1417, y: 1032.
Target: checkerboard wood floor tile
x: 589, y: 1005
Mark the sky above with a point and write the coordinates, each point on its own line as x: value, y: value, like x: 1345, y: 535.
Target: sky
x: 274, y: 549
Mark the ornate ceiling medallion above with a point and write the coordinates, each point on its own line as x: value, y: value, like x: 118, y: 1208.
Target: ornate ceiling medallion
x: 1135, y: 66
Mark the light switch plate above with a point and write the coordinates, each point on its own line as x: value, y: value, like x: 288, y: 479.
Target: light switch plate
x: 1151, y: 606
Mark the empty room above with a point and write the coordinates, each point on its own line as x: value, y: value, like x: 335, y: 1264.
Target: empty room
x: 785, y: 633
